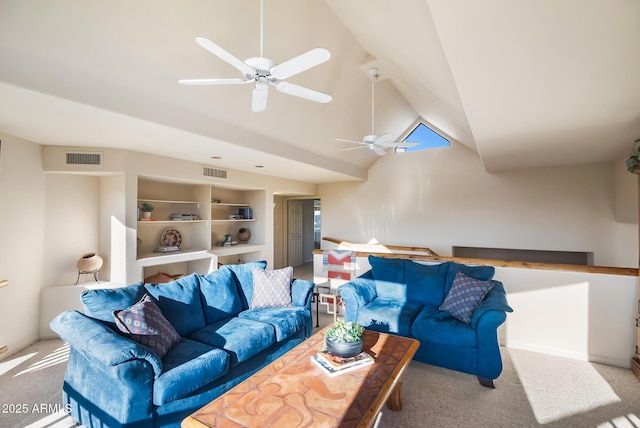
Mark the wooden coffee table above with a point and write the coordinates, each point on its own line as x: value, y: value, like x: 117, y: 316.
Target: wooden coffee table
x: 293, y: 392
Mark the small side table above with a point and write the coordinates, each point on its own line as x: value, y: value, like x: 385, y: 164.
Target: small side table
x: 325, y: 295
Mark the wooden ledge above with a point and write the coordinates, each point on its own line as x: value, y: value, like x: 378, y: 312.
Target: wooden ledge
x: 486, y: 262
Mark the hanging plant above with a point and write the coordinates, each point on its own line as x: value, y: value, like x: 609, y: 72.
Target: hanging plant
x: 634, y: 157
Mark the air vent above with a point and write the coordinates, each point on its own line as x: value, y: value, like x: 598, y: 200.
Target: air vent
x: 84, y: 158
x: 212, y: 172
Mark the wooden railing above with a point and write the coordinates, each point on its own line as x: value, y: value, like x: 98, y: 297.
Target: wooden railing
x: 423, y: 253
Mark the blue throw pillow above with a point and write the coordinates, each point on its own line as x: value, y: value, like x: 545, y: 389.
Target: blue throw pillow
x: 220, y: 298
x: 465, y: 295
x: 144, y: 323
x: 100, y: 303
x: 388, y: 275
x: 425, y: 283
x: 244, y: 276
x: 484, y: 273
x: 180, y: 303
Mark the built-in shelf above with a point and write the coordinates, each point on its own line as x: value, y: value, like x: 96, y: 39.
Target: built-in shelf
x: 171, y: 221
x: 161, y: 201
x: 240, y: 220
x: 154, y: 259
x: 237, y: 249
x: 227, y: 204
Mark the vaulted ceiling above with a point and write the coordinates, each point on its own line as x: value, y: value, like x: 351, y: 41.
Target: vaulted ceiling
x: 525, y: 84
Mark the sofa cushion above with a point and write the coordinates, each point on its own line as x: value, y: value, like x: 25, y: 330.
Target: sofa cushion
x: 220, y: 298
x: 244, y: 276
x: 433, y: 326
x: 144, y: 323
x: 389, y: 277
x: 464, y: 296
x: 100, y: 303
x: 271, y: 288
x: 389, y: 315
x: 425, y: 283
x: 241, y: 338
x: 484, y: 273
x: 188, y: 366
x: 180, y: 303
x: 286, y: 321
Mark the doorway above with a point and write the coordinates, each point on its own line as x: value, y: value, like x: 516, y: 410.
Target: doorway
x: 303, y: 230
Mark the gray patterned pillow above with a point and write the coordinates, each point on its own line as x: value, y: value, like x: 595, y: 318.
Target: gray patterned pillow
x: 465, y: 295
x: 271, y: 288
x: 144, y: 323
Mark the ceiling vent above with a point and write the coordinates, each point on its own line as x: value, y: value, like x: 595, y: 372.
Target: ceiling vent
x: 213, y: 172
x: 77, y: 158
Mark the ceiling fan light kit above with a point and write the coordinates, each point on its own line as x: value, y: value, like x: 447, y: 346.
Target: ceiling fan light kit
x: 263, y: 72
x: 378, y: 143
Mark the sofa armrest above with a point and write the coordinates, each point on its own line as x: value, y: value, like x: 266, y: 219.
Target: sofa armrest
x: 100, y: 344
x: 495, y: 300
x: 488, y: 316
x: 301, y: 293
x: 356, y: 294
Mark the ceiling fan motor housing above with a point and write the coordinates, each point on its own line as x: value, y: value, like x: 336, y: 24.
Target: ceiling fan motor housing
x: 262, y: 67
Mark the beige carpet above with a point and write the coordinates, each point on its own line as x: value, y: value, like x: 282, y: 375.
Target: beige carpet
x: 534, y: 390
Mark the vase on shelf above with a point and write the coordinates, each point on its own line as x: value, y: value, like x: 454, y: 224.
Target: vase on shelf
x: 244, y: 234
x: 89, y: 263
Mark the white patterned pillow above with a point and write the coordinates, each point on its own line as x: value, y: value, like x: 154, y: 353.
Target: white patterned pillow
x: 271, y: 288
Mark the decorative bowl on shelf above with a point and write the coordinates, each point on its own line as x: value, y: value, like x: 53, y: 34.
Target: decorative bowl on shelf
x: 244, y: 234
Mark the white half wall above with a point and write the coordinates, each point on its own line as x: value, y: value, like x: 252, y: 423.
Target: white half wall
x: 584, y: 316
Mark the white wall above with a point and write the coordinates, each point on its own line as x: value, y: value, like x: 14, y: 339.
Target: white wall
x: 70, y: 226
x: 22, y: 219
x: 442, y: 198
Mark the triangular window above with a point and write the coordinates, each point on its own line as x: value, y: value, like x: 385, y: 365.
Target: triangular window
x: 426, y: 138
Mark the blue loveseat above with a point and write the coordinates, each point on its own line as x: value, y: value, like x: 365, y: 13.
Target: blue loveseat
x: 413, y: 299
x: 112, y: 380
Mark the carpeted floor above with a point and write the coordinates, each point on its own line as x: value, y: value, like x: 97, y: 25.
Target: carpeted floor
x: 533, y: 390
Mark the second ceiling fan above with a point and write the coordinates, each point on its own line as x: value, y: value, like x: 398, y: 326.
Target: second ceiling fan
x: 263, y: 72
x: 377, y: 143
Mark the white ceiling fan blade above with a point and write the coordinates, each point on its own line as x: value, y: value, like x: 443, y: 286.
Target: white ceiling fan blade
x: 247, y: 71
x: 351, y: 148
x: 302, y: 92
x: 213, y: 81
x: 404, y: 145
x: 379, y: 150
x: 384, y: 139
x: 259, y: 98
x: 351, y: 141
x: 300, y: 63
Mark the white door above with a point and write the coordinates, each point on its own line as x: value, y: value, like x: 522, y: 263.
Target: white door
x: 294, y: 226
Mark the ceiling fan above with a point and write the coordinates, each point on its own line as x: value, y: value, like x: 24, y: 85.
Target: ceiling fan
x: 377, y: 143
x: 263, y: 72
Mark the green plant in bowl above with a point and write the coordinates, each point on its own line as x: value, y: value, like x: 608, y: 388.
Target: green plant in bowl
x: 342, y: 331
x: 344, y: 339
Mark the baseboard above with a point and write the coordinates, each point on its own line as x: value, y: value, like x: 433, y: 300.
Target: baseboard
x: 549, y: 351
x: 580, y: 356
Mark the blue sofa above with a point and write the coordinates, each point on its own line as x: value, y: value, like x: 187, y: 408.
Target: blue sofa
x: 114, y: 381
x: 408, y: 298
